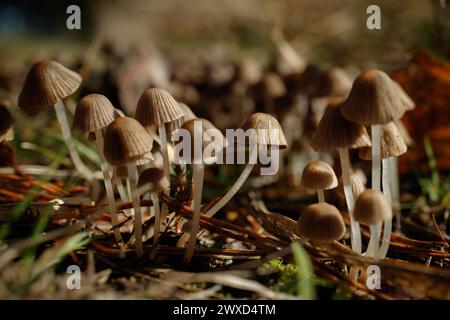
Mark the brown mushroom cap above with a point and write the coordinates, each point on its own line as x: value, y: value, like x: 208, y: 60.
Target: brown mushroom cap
x: 334, y: 132
x: 268, y: 130
x: 93, y: 112
x: 157, y: 106
x: 392, y: 143
x: 318, y: 175
x: 374, y: 99
x: 46, y: 83
x: 127, y: 141
x: 155, y: 178
x: 407, y: 102
x: 371, y: 207
x: 356, y: 182
x: 6, y: 122
x: 321, y: 222
x: 178, y: 123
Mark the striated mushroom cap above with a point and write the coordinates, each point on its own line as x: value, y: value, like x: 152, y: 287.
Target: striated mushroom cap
x: 93, y: 112
x: 371, y: 207
x: 356, y: 182
x: 392, y: 143
x: 178, y: 123
x: 268, y: 130
x: 318, y: 175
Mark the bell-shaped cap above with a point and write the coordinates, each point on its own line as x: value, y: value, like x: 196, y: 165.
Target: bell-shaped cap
x: 178, y: 123
x: 321, y: 222
x: 6, y: 123
x: 267, y: 129
x: 93, y: 112
x: 356, y: 182
x: 155, y: 179
x: 371, y: 207
x: 334, y: 132
x: 46, y: 83
x: 373, y: 99
x: 318, y: 175
x: 157, y: 106
x: 126, y: 141
x: 407, y: 102
x: 392, y: 143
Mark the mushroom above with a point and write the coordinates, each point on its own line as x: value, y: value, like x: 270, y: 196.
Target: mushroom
x: 154, y: 181
x: 268, y: 135
x: 320, y: 222
x: 93, y: 113
x: 336, y: 132
x: 121, y: 172
x: 372, y: 209
x: 356, y: 183
x: 392, y: 146
x: 127, y: 143
x: 374, y: 100
x: 319, y: 176
x: 6, y: 123
x: 203, y: 133
x: 178, y: 123
x: 48, y: 83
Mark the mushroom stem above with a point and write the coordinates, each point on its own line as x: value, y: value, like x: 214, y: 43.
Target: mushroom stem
x: 121, y: 189
x: 321, y: 195
x: 237, y: 185
x: 157, y: 225
x: 374, y: 242
x: 108, y: 185
x: 395, y: 188
x: 133, y: 176
x: 387, y: 193
x: 355, y: 233
x: 166, y: 167
x: 68, y: 139
x: 376, y: 156
x: 198, y: 175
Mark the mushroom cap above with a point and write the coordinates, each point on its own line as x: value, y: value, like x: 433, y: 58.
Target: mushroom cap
x: 126, y: 141
x: 356, y: 182
x: 392, y: 143
x: 321, y: 222
x: 93, y: 112
x: 371, y: 207
x: 318, y: 175
x: 407, y: 102
x: 46, y: 83
x: 155, y: 178
x: 334, y: 132
x: 268, y: 130
x: 373, y: 99
x: 6, y: 123
x: 157, y: 106
x: 409, y: 141
x: 178, y: 123
x: 333, y: 82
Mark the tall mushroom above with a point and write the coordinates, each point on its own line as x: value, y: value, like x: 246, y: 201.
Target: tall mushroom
x: 336, y: 132
x: 127, y: 143
x: 392, y: 146
x: 267, y: 134
x: 93, y: 113
x: 48, y: 83
x: 319, y: 176
x: 372, y: 209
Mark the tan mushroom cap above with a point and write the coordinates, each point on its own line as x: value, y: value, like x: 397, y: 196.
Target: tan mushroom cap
x: 6, y: 123
x: 373, y: 99
x: 93, y: 112
x: 267, y: 129
x: 178, y: 123
x: 155, y: 178
x: 356, y: 182
x: 46, y: 83
x: 371, y: 207
x: 318, y: 175
x: 407, y: 102
x: 392, y: 143
x: 126, y: 141
x: 409, y: 141
x: 321, y: 222
x: 334, y: 132
x: 157, y: 106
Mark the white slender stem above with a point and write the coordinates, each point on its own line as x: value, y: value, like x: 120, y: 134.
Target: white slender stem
x: 387, y: 231
x: 376, y: 156
x: 157, y: 225
x: 166, y: 167
x: 121, y: 189
x: 374, y: 242
x: 133, y: 176
x: 355, y: 231
x: 68, y: 139
x: 108, y: 186
x: 321, y: 196
x: 237, y: 185
x: 198, y: 175
x: 395, y: 188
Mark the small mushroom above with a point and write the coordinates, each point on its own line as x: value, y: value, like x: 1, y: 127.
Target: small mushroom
x: 47, y: 84
x: 319, y: 176
x: 93, y: 113
x: 127, y: 143
x: 372, y: 209
x: 356, y: 183
x: 320, y: 222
